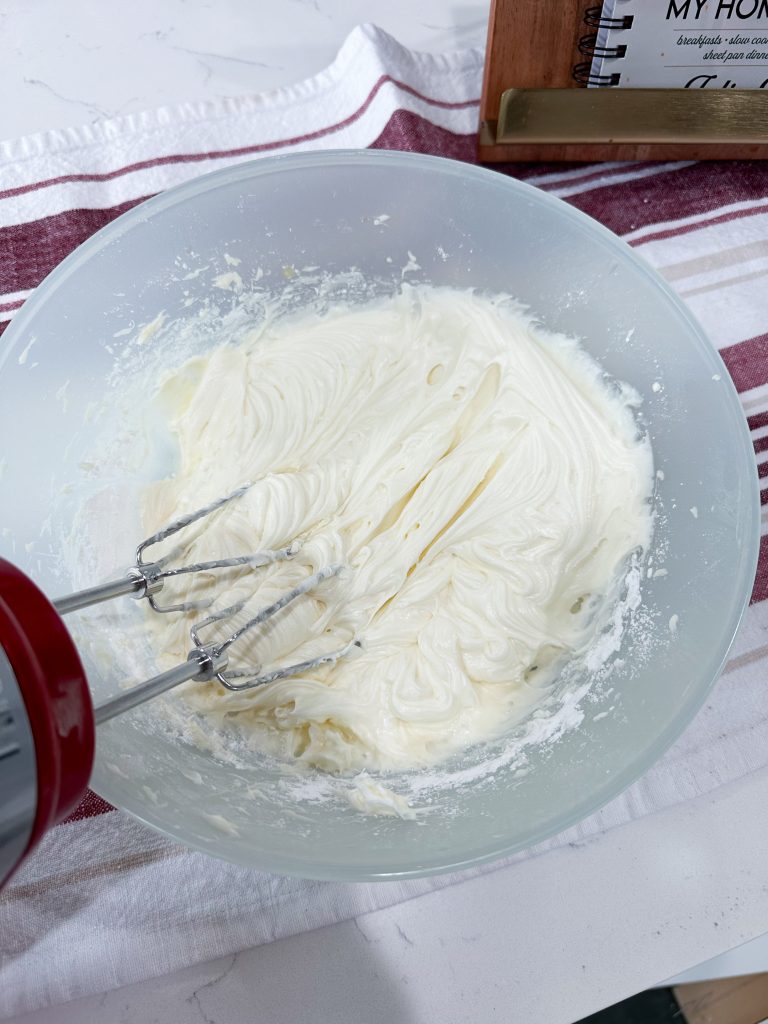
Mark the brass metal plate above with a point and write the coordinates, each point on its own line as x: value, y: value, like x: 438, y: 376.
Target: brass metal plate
x: 633, y: 115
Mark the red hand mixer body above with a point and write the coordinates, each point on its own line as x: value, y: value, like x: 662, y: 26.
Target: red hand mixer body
x: 47, y: 728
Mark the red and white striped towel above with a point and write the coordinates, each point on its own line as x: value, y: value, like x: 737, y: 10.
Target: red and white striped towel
x: 105, y: 902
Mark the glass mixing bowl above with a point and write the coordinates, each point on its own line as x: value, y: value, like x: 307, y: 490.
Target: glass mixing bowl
x: 306, y: 227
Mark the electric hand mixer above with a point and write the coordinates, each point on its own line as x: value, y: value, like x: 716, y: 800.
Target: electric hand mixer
x: 47, y: 718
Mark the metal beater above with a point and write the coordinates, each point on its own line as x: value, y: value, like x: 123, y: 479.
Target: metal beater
x: 204, y: 661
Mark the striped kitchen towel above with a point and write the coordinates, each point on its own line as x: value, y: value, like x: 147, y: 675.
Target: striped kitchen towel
x: 104, y: 902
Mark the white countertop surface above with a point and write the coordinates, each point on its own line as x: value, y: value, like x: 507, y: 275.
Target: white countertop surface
x: 547, y: 940
x: 68, y: 63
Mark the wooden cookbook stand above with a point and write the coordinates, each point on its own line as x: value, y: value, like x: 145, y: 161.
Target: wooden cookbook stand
x: 534, y: 108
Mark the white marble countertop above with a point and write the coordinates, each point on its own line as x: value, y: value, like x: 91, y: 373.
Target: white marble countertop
x: 549, y: 939
x: 68, y: 63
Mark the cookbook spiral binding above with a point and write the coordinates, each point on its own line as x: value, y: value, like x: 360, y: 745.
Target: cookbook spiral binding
x: 588, y: 46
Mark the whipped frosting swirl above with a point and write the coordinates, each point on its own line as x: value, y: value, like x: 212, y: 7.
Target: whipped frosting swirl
x: 480, y: 479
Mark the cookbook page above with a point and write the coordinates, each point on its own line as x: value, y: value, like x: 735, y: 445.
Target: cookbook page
x: 686, y: 44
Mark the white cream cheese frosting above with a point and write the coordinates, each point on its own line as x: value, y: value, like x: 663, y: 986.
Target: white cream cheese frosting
x: 480, y: 480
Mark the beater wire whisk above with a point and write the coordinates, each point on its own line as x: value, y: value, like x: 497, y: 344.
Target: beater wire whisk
x: 205, y: 661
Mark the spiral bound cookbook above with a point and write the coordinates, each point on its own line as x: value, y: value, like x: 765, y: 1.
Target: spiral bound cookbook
x: 625, y: 80
x: 688, y: 44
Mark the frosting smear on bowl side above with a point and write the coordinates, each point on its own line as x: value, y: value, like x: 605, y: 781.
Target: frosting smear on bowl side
x: 481, y: 481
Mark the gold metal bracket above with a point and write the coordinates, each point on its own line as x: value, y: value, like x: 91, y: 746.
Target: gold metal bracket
x: 642, y: 116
